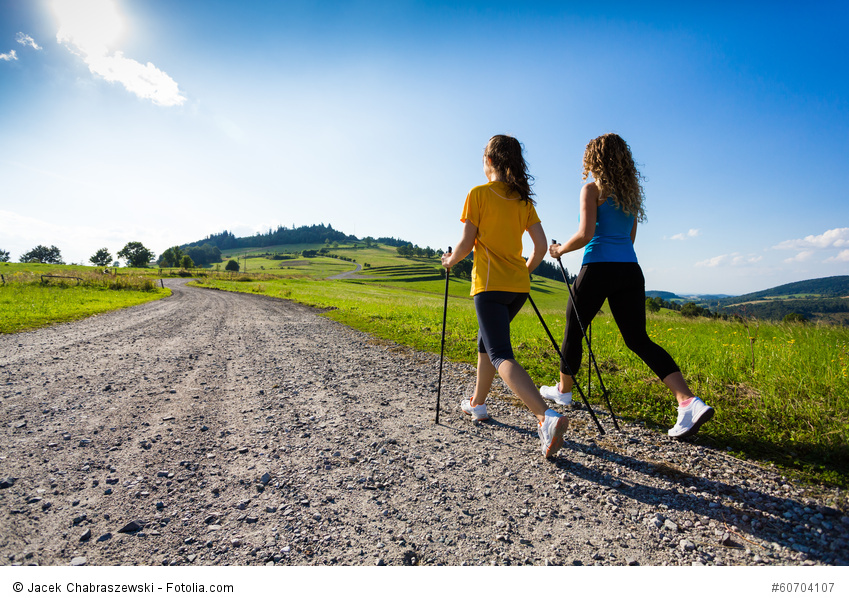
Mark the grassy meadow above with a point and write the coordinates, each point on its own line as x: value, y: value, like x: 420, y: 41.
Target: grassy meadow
x: 30, y: 300
x: 779, y: 390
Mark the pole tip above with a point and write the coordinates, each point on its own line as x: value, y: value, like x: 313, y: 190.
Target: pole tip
x: 449, y: 249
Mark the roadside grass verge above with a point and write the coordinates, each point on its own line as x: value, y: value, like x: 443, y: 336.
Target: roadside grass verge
x: 29, y: 300
x: 779, y: 390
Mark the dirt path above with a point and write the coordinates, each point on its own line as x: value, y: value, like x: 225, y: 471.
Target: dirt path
x: 347, y: 274
x: 219, y: 428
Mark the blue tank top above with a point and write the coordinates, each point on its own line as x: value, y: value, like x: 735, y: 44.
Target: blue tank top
x: 611, y: 241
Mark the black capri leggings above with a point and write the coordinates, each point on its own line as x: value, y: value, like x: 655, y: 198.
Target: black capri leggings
x: 624, y: 287
x: 495, y: 311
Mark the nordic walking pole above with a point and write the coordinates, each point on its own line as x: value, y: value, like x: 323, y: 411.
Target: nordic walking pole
x: 569, y: 370
x: 442, y: 347
x: 589, y: 363
x: 589, y: 345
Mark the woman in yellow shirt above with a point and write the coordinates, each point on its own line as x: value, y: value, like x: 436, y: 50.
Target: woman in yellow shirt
x: 495, y: 217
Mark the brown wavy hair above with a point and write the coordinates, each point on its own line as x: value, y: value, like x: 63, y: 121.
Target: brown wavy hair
x: 505, y: 153
x: 609, y: 160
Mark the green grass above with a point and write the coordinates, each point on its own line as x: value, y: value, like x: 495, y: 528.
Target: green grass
x: 27, y: 302
x: 780, y: 391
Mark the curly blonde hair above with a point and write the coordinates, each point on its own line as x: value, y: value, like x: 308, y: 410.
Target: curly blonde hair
x: 609, y: 159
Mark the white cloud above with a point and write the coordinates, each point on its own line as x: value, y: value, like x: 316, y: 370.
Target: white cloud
x: 799, y: 258
x: 714, y: 261
x: 146, y: 81
x: 88, y: 28
x: 837, y: 238
x: 735, y: 259
x: 747, y: 260
x: 842, y: 256
x: 10, y: 56
x: 692, y: 233
x: 26, y: 40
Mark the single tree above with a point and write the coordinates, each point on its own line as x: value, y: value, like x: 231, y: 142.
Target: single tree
x: 691, y: 310
x: 101, y: 258
x: 42, y: 254
x: 4, y: 256
x: 171, y: 257
x: 232, y: 265
x: 136, y: 254
x: 652, y: 306
x: 186, y: 262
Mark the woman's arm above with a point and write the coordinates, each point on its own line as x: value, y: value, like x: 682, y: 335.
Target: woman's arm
x: 538, y: 236
x: 634, y: 232
x: 586, y: 225
x: 464, y: 246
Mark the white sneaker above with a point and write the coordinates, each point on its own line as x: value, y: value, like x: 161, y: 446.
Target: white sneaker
x: 690, y: 418
x: 551, y: 432
x: 552, y: 392
x: 478, y: 413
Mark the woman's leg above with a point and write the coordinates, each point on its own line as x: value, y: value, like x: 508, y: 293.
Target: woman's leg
x: 483, y: 381
x: 590, y: 291
x: 676, y: 383
x: 628, y: 306
x: 522, y: 385
x: 495, y: 311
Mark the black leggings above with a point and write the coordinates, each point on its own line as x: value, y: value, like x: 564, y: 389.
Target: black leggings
x: 624, y: 287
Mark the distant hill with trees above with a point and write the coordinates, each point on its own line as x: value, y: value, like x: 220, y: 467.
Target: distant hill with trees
x: 820, y: 299
x: 835, y: 286
x: 282, y: 235
x: 548, y: 269
x: 663, y: 294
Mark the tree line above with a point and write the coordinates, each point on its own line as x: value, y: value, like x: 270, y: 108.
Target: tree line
x: 689, y: 309
x: 134, y: 253
x: 188, y: 257
x: 550, y: 270
x: 282, y: 235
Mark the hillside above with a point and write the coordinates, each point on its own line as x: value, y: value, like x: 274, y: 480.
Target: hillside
x: 821, y: 299
x: 663, y: 294
x: 281, y: 235
x: 835, y: 286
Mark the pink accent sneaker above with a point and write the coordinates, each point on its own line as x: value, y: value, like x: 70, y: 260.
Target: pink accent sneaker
x: 478, y: 413
x: 551, y: 432
x: 690, y: 418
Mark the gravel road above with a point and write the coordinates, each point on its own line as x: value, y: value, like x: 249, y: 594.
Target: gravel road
x: 213, y: 428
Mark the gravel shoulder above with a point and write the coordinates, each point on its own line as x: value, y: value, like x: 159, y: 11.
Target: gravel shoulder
x: 214, y: 428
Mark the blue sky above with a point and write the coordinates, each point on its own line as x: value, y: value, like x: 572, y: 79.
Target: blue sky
x: 164, y: 121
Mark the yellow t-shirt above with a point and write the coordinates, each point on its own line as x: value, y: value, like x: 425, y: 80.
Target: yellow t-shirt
x: 502, y: 219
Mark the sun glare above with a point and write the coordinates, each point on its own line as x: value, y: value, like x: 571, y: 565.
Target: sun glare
x: 93, y: 26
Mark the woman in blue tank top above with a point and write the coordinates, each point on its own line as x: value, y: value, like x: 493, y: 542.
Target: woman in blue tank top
x: 611, y: 208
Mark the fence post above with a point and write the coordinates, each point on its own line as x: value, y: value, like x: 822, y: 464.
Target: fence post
x: 3, y: 278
